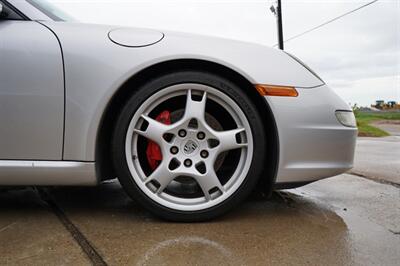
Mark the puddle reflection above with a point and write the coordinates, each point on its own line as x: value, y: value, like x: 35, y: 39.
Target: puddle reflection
x: 287, y: 229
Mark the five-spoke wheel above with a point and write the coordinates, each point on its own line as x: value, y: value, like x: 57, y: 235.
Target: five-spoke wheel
x: 188, y: 147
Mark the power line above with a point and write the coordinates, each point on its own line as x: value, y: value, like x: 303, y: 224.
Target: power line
x: 329, y: 21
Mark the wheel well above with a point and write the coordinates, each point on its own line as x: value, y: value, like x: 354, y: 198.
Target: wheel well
x: 104, y: 166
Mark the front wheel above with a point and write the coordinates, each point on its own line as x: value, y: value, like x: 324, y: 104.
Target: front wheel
x: 189, y: 146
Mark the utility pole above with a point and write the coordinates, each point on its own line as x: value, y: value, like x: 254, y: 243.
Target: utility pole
x: 278, y: 14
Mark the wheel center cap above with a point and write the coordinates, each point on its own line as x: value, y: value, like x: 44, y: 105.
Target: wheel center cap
x: 190, y: 147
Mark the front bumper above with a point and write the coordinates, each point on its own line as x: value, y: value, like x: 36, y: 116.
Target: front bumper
x: 313, y: 144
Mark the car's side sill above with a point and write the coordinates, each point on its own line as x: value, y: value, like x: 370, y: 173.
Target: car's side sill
x: 47, y: 173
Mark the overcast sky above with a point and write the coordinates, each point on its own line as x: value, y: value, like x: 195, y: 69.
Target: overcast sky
x: 358, y: 55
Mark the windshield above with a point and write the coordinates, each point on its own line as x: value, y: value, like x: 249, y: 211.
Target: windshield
x: 50, y: 10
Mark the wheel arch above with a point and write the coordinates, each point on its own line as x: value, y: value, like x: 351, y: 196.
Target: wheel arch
x: 104, y: 166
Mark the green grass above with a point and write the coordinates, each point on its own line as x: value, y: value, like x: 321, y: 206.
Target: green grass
x: 365, y: 118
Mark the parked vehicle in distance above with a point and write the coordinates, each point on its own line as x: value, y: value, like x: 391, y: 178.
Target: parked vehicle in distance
x: 189, y: 124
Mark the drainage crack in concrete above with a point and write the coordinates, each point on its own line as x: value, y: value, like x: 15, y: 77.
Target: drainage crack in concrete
x: 381, y: 181
x: 82, y: 241
x: 394, y: 232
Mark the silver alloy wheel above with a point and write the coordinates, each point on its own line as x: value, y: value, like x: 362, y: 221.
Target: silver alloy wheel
x: 189, y: 147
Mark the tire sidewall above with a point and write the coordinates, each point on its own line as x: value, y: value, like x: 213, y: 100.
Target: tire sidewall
x: 140, y: 95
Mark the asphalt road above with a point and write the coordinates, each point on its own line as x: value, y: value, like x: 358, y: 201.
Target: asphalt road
x: 390, y: 126
x: 344, y: 220
x: 378, y: 158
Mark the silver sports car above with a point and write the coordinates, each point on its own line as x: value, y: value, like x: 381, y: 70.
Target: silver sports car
x: 189, y: 124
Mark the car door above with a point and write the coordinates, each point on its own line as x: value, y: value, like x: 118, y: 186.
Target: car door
x: 31, y: 92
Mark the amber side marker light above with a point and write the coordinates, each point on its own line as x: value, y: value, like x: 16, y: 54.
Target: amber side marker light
x: 272, y: 90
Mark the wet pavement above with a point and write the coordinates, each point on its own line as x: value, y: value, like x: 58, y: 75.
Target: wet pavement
x: 344, y: 220
x: 30, y: 233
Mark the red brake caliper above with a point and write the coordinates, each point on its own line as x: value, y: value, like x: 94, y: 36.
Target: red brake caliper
x: 153, y: 151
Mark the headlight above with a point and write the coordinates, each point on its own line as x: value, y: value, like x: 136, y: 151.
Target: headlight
x: 346, y: 118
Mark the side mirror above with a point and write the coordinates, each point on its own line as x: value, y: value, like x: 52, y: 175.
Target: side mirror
x: 1, y: 11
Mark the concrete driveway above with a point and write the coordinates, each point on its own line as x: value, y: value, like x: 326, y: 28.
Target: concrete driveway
x: 344, y: 220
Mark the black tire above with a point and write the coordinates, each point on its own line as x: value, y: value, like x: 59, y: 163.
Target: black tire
x: 157, y: 84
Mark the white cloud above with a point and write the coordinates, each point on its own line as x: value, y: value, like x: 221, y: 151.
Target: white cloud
x: 368, y: 89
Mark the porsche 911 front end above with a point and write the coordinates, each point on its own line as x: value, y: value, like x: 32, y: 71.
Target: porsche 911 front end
x: 189, y: 124
x: 317, y: 131
x: 317, y: 136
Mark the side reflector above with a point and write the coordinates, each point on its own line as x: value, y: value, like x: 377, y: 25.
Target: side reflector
x: 271, y: 90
